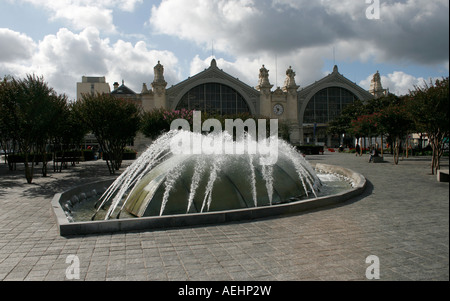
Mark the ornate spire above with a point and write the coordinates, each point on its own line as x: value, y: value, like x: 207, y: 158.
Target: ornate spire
x: 213, y: 63
x: 264, y: 77
x: 335, y: 69
x: 376, y: 89
x: 289, y: 82
x: 159, y: 74
x: 144, y: 89
x: 159, y: 84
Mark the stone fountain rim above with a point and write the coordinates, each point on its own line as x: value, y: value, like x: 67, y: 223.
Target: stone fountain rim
x: 66, y: 228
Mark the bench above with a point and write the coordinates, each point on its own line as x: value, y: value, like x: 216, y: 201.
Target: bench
x: 69, y: 159
x: 442, y: 175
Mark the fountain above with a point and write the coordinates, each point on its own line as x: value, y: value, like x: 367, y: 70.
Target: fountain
x: 163, y: 189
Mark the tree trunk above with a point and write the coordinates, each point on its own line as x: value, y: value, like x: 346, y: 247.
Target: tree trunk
x: 118, y: 157
x: 62, y: 161
x: 29, y: 171
x: 396, y: 148
x: 437, y: 153
x: 434, y: 163
x: 407, y: 145
x: 11, y: 165
x: 110, y: 164
x: 44, y: 164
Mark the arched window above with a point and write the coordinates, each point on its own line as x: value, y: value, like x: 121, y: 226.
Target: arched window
x: 327, y: 104
x: 214, y: 98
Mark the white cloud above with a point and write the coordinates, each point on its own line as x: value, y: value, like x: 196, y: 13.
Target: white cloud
x: 135, y: 63
x: 401, y: 83
x: 398, y: 82
x: 203, y: 21
x: 65, y: 57
x: 79, y: 14
x: 15, y: 46
x: 81, y: 17
x: 276, y: 33
x: 246, y: 69
x: 302, y: 34
x: 409, y: 31
x: 127, y: 5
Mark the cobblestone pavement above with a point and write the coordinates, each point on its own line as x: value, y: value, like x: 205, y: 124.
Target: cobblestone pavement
x: 403, y: 218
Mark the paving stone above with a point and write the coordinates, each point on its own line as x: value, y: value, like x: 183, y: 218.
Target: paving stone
x: 402, y: 218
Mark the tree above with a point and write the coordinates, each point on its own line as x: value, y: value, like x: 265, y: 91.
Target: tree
x: 68, y: 133
x: 36, y: 107
x: 114, y: 122
x: 364, y: 126
x: 429, y: 108
x: 157, y: 121
x: 29, y: 111
x: 53, y: 121
x: 343, y: 123
x: 8, y: 118
x: 394, y: 122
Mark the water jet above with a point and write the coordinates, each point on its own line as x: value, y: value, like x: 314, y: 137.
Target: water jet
x: 161, y: 190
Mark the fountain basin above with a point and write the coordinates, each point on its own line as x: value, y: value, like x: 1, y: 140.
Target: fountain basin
x: 68, y: 228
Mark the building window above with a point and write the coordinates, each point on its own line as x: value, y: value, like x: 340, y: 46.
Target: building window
x: 214, y: 98
x: 327, y: 104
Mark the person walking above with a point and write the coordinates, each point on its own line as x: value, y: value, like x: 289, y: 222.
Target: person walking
x: 358, y: 149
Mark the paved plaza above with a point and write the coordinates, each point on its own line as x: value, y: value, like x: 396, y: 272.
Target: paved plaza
x: 402, y: 218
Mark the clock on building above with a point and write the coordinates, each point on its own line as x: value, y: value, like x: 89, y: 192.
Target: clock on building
x: 278, y: 109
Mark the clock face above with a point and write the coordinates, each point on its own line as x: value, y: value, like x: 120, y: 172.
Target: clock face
x: 278, y: 109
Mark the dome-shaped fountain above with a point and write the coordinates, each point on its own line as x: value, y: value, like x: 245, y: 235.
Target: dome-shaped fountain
x: 161, y: 183
x: 164, y: 189
x: 199, y: 183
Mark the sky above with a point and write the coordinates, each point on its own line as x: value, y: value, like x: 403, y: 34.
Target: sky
x: 407, y: 41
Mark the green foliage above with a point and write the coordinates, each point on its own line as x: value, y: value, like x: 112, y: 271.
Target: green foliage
x: 364, y: 126
x: 429, y: 106
x: 394, y: 120
x: 429, y: 109
x: 157, y: 121
x: 8, y: 116
x: 29, y: 116
x: 70, y: 129
x: 342, y: 124
x: 113, y: 121
x: 425, y: 110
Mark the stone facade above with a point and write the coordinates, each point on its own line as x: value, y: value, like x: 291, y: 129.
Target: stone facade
x: 91, y: 85
x: 310, y: 132
x: 288, y: 103
x: 376, y: 89
x: 282, y: 103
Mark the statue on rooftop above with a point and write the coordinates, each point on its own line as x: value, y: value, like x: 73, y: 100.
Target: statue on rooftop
x: 264, y: 77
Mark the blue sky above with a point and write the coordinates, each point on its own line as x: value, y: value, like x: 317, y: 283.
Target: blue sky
x: 123, y: 40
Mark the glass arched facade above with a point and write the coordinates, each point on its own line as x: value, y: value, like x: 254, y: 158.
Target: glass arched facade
x: 214, y: 98
x: 327, y: 104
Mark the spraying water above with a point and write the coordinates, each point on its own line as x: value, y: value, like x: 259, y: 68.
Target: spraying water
x: 160, y: 183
